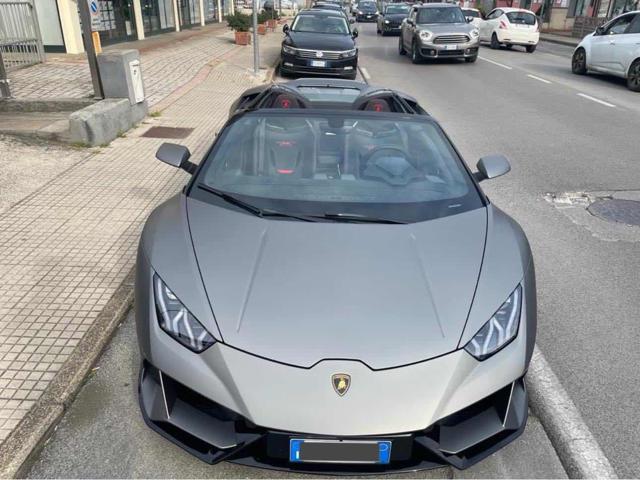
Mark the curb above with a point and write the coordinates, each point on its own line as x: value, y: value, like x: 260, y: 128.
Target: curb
x: 560, y: 41
x: 576, y: 447
x: 20, y: 447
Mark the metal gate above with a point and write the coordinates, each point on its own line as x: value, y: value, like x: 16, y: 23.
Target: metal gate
x: 20, y: 39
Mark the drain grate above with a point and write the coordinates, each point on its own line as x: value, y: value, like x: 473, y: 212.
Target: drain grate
x: 617, y: 210
x: 167, y: 132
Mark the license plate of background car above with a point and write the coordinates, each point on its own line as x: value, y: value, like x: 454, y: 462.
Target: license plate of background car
x: 337, y: 451
x: 450, y: 47
x: 318, y: 63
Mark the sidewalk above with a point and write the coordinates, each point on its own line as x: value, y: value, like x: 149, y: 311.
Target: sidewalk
x: 67, y: 248
x: 560, y: 39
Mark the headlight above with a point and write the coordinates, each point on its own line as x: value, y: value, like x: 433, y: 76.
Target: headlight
x: 359, y: 12
x: 501, y: 329
x: 289, y: 50
x: 474, y: 33
x: 177, y: 321
x: 425, y: 35
x: 348, y: 53
x: 387, y: 22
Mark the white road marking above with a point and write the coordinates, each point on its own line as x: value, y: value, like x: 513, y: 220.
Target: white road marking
x: 577, y: 448
x: 597, y: 100
x: 365, y: 73
x: 539, y: 79
x: 496, y: 63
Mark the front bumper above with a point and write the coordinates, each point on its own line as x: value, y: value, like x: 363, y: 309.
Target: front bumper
x: 367, y: 17
x: 463, y: 50
x: 391, y: 28
x: 518, y: 37
x: 214, y: 433
x: 295, y: 65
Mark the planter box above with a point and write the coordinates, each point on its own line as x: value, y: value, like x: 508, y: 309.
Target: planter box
x: 272, y: 24
x: 243, y: 38
x: 262, y: 29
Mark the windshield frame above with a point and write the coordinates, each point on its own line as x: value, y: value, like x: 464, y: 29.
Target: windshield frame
x: 191, y: 189
x: 325, y: 15
x: 405, y: 8
x: 418, y: 22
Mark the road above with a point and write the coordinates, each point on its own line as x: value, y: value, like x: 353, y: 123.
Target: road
x: 530, y: 107
x: 563, y: 133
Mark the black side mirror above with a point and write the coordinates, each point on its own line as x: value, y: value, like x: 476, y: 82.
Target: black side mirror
x: 176, y: 156
x: 285, y: 29
x: 600, y: 30
x: 491, y: 166
x: 469, y: 19
x: 354, y: 33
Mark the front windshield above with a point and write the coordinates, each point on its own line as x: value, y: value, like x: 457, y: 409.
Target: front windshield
x: 397, y: 9
x: 320, y: 24
x: 440, y: 15
x: 401, y: 169
x: 471, y: 13
x: 367, y: 6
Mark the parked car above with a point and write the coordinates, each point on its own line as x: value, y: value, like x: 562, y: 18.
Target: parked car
x: 332, y: 292
x: 367, y: 11
x: 613, y: 48
x: 438, y: 30
x: 319, y: 42
x: 473, y: 16
x: 509, y: 27
x: 390, y: 20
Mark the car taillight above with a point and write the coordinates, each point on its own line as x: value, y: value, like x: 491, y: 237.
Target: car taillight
x: 503, y: 25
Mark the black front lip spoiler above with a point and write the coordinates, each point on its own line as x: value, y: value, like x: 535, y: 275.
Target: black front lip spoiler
x: 214, y: 433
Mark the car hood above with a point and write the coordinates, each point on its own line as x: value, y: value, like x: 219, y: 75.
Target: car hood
x: 319, y: 41
x: 299, y: 293
x: 447, y: 27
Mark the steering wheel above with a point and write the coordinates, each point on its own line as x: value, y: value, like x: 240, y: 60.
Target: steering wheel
x: 402, y: 175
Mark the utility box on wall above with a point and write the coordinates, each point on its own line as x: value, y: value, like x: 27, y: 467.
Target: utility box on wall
x: 121, y: 75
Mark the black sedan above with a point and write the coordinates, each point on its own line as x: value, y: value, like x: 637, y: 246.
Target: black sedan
x: 319, y: 42
x: 391, y: 18
x: 367, y: 11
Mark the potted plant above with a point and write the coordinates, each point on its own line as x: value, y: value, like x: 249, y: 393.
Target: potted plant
x: 262, y: 23
x: 240, y: 23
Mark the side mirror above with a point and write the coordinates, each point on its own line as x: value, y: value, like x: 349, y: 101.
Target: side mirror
x: 354, y: 34
x: 352, y: 20
x: 600, y: 30
x: 469, y: 19
x: 285, y: 29
x: 176, y: 156
x: 491, y: 166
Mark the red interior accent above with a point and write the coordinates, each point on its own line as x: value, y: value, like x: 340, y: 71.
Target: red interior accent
x: 284, y: 171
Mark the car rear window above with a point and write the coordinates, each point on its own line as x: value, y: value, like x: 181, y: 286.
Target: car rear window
x: 521, y: 18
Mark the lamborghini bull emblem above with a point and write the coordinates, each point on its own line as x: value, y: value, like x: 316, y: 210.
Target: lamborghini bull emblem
x: 341, y: 383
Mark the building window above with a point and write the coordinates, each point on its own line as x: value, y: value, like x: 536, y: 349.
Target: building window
x: 157, y: 16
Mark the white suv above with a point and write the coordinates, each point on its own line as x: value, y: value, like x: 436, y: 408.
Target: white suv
x: 613, y: 48
x: 510, y: 26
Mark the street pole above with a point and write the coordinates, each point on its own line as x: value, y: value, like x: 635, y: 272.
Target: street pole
x: 5, y: 91
x: 256, y: 51
x: 87, y: 40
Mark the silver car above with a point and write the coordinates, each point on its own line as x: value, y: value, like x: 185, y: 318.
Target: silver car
x: 613, y: 48
x: 333, y: 292
x: 438, y: 30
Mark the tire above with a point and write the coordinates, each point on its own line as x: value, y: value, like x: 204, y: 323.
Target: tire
x: 471, y: 59
x: 495, y: 44
x: 401, y: 49
x: 633, y: 76
x: 416, y: 56
x: 509, y: 46
x: 579, y: 62
x: 531, y: 48
x: 383, y: 33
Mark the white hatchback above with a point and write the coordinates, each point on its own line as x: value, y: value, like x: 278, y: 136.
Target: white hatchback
x: 613, y: 48
x: 510, y: 26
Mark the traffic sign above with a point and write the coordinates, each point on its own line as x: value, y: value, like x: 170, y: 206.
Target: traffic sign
x: 94, y: 11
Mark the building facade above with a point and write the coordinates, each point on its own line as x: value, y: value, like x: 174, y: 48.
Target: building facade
x: 123, y: 20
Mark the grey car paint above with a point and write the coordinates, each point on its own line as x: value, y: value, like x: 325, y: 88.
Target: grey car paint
x: 411, y: 32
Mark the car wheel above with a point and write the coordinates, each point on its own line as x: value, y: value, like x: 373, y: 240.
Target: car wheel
x: 384, y: 34
x: 495, y: 44
x: 471, y: 59
x: 633, y: 78
x: 531, y: 48
x: 509, y: 46
x: 579, y: 62
x: 416, y: 56
x: 401, y: 49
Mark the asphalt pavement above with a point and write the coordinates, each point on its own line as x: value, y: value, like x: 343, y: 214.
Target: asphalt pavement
x: 562, y: 133
x: 103, y: 436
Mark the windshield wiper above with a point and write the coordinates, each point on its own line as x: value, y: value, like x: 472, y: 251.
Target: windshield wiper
x: 257, y: 211
x: 354, y: 217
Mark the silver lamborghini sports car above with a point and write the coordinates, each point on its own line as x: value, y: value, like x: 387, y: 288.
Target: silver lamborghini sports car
x: 333, y: 292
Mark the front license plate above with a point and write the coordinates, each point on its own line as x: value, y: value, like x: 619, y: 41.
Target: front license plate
x: 336, y: 451
x: 450, y: 47
x: 369, y: 16
x: 318, y: 63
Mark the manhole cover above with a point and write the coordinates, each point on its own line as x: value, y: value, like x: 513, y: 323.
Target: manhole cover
x: 167, y: 132
x: 615, y: 210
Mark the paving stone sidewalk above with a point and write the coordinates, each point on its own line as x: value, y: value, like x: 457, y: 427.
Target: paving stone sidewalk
x: 165, y: 66
x: 66, y: 248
